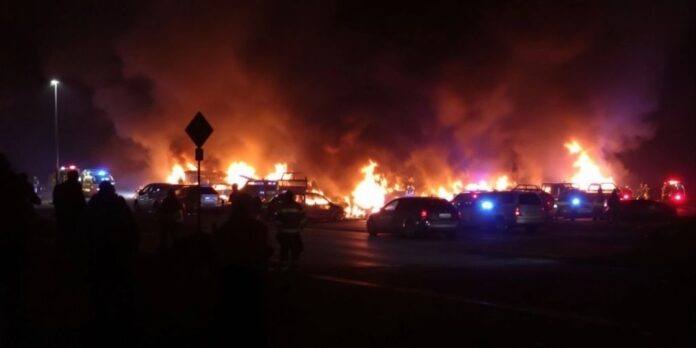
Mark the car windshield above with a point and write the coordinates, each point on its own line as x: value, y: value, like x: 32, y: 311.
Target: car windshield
x: 204, y: 190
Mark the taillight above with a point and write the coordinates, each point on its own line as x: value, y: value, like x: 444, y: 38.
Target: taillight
x: 424, y: 214
x: 626, y: 196
x: 677, y: 197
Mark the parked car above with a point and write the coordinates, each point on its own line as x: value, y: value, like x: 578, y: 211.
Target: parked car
x: 150, y: 197
x: 465, y: 205
x: 412, y: 216
x: 503, y: 210
x: 190, y: 195
x: 547, y: 199
x: 574, y: 204
x: 644, y: 209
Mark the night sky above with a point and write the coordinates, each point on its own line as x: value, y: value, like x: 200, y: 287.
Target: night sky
x: 433, y: 90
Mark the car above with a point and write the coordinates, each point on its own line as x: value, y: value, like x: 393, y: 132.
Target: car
x: 413, y: 216
x: 464, y: 203
x: 191, y: 195
x: 151, y: 196
x: 574, y: 204
x: 503, y: 210
x: 548, y: 200
x: 316, y: 206
x: 646, y: 210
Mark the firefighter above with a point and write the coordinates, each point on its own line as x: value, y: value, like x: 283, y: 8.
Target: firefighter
x: 289, y: 219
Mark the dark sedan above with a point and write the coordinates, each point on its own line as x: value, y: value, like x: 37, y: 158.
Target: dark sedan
x: 412, y: 216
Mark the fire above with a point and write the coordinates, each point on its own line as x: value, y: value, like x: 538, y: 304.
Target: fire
x: 191, y: 166
x: 177, y: 175
x: 239, y: 173
x: 279, y: 170
x: 370, y: 193
x: 501, y: 183
x: 588, y: 172
x: 449, y: 194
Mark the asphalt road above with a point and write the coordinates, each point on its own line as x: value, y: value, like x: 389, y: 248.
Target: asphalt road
x: 570, y: 283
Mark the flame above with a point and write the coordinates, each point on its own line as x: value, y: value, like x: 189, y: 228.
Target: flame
x: 278, y: 172
x: 191, y: 166
x: 239, y: 173
x: 177, y: 175
x: 369, y: 194
x: 588, y: 172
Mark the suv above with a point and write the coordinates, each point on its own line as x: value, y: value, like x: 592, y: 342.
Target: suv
x: 506, y: 209
x: 150, y: 197
x: 411, y: 216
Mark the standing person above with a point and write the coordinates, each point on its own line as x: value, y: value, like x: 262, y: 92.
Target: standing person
x: 613, y: 204
x: 69, y: 205
x: 289, y: 218
x: 170, y: 215
x: 244, y: 251
x: 18, y: 220
x: 114, y: 245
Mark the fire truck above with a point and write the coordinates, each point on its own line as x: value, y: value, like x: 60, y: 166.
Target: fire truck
x: 91, y: 178
x: 673, y: 192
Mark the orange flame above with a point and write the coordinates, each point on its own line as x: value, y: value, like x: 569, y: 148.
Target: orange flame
x: 588, y: 172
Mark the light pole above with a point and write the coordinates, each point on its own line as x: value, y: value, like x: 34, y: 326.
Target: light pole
x: 55, y: 83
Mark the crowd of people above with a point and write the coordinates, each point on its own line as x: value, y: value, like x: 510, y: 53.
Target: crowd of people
x: 100, y: 238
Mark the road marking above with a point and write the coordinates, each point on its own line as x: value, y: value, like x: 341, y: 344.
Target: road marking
x: 553, y: 314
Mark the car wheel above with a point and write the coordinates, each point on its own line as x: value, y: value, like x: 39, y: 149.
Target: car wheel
x: 371, y: 228
x: 409, y: 228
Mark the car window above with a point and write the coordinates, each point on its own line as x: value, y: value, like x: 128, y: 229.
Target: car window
x: 391, y: 206
x: 529, y: 199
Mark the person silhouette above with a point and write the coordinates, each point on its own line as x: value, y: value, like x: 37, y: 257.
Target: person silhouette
x: 170, y: 216
x: 289, y: 217
x: 69, y: 205
x: 18, y: 219
x: 114, y: 245
x: 244, y: 251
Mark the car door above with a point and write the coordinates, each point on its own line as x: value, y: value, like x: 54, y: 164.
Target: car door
x: 144, y: 197
x: 387, y: 215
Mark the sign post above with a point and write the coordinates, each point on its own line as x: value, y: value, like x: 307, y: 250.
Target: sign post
x: 199, y: 131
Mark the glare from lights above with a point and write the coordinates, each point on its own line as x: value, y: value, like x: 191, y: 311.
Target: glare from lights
x: 575, y: 201
x: 678, y: 197
x: 486, y: 205
x: 101, y: 172
x: 54, y: 82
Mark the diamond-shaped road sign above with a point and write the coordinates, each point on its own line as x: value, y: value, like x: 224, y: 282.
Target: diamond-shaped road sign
x: 199, y: 129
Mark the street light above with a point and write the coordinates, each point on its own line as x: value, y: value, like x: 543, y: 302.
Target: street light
x: 55, y: 83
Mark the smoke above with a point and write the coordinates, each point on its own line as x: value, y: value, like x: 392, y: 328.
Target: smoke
x: 435, y: 92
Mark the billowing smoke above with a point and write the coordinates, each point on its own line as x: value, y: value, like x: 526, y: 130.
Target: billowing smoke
x: 434, y: 92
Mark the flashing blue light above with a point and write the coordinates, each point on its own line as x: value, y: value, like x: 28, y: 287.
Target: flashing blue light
x: 575, y: 201
x: 101, y: 172
x: 486, y: 205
